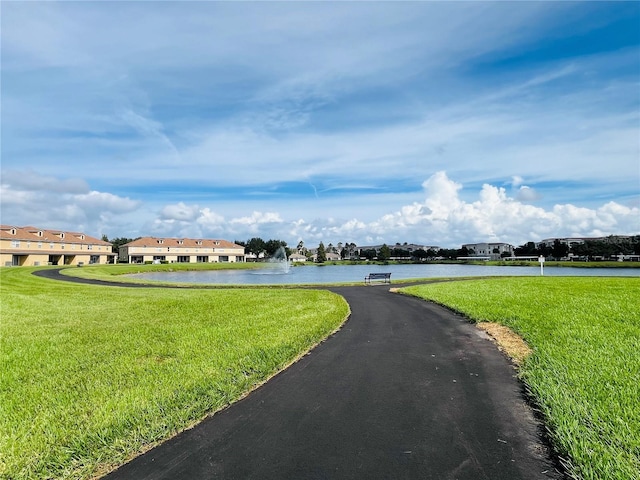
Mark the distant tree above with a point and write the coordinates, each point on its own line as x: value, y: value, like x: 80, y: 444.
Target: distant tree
x: 544, y: 250
x: 118, y: 242
x: 384, y: 253
x: 447, y: 253
x: 420, y: 254
x: 400, y: 253
x: 431, y: 253
x: 300, y: 247
x: 369, y: 253
x: 528, y: 249
x: 348, y: 251
x: 559, y: 249
x: 272, y: 246
x: 321, y: 254
x: 256, y: 246
x: 240, y: 242
x: 580, y: 250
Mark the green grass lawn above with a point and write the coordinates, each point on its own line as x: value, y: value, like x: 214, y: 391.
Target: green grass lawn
x: 92, y: 374
x: 118, y: 273
x: 584, y: 373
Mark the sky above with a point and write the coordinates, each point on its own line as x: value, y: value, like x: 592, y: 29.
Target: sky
x: 435, y: 123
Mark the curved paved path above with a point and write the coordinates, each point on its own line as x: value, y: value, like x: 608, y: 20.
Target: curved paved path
x: 405, y: 390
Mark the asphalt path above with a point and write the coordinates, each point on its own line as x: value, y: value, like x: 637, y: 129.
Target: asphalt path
x: 404, y: 390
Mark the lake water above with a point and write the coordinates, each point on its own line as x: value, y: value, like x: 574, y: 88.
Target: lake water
x: 356, y: 273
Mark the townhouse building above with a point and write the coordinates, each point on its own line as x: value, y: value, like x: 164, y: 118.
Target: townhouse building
x: 180, y: 250
x: 32, y: 246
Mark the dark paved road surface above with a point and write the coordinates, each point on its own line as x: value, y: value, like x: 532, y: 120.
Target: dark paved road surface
x: 406, y: 390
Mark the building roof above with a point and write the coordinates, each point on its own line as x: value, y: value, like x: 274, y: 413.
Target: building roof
x: 181, y: 242
x: 34, y: 234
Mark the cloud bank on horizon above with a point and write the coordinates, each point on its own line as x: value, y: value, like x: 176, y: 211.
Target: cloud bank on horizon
x: 434, y: 123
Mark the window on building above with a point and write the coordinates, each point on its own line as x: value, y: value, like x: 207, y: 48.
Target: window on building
x: 15, y: 243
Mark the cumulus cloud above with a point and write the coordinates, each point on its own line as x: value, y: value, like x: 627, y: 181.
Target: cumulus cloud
x: 28, y: 198
x: 180, y: 211
x: 443, y: 214
x: 258, y: 218
x: 104, y: 202
x: 210, y: 220
x: 442, y: 217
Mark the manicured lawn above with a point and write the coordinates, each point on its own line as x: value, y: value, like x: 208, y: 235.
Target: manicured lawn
x: 118, y: 273
x: 584, y: 373
x: 91, y: 374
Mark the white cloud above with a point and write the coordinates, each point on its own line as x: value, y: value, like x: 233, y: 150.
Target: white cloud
x: 28, y: 198
x: 257, y: 218
x: 180, y: 211
x: 441, y: 217
x: 29, y: 180
x: 516, y: 181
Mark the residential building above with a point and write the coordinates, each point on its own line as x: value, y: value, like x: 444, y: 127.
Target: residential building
x: 180, y: 250
x: 570, y: 242
x: 296, y: 257
x: 31, y: 246
x: 491, y: 251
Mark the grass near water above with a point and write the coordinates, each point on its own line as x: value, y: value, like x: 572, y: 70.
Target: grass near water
x: 584, y: 373
x: 92, y: 374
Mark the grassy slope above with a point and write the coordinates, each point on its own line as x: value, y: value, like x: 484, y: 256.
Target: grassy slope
x: 91, y: 374
x: 585, y: 370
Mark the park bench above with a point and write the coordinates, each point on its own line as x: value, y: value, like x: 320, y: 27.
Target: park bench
x: 383, y: 277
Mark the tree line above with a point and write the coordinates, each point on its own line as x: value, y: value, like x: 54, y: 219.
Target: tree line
x: 588, y: 249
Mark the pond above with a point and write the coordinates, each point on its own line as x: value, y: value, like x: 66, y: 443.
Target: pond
x: 314, y: 275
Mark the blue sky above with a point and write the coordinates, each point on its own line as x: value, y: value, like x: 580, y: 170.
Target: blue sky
x: 438, y: 123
